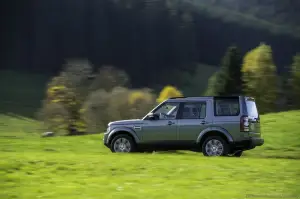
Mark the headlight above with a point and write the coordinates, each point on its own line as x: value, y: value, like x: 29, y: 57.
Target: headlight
x: 108, y: 129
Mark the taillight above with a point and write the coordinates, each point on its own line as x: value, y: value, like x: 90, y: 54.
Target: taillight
x: 244, y: 124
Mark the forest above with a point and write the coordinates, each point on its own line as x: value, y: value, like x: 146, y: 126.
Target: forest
x: 149, y: 39
x: 122, y: 57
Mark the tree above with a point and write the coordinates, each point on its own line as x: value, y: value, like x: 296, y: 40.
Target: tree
x: 62, y: 108
x: 228, y: 80
x: 109, y: 77
x: 168, y: 92
x: 294, y: 82
x: 260, y: 78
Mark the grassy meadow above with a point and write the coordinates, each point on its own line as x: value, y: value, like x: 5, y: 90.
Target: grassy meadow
x: 80, y: 167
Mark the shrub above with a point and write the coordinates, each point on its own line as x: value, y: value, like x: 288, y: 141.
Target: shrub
x: 96, y: 112
x: 55, y: 118
x: 108, y: 78
x: 75, y: 104
x: 101, y: 106
x: 67, y: 92
x: 141, y: 102
x: 118, y: 104
x: 167, y: 92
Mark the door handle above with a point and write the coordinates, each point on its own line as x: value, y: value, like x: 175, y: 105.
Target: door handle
x: 170, y: 122
x: 203, y: 122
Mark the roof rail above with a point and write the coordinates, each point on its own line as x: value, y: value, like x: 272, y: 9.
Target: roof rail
x: 176, y: 97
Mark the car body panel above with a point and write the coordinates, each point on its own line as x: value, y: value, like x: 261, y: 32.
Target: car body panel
x: 214, y: 129
x: 189, y: 129
x: 159, y: 131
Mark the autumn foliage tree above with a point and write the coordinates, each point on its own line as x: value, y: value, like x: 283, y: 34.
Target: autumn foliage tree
x: 65, y: 95
x: 168, y: 92
x: 260, y: 77
x: 141, y: 101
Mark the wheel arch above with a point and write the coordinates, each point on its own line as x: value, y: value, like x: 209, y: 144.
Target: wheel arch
x: 215, y: 131
x: 123, y: 131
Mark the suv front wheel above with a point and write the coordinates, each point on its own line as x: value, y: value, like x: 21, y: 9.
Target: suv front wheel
x: 215, y: 146
x: 122, y: 144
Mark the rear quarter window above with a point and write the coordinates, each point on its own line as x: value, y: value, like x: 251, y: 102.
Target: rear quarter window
x: 226, y: 106
x: 252, y: 109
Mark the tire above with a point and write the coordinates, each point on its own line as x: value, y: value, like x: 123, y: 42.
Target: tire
x: 122, y: 144
x: 215, y: 141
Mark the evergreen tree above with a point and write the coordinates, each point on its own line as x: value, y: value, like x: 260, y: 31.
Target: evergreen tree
x: 228, y: 80
x: 294, y: 83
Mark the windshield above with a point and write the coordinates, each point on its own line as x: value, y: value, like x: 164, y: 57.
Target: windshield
x: 251, y: 109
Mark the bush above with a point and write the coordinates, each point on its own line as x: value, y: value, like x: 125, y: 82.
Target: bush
x: 168, y: 92
x: 108, y: 78
x: 95, y: 111
x: 101, y: 106
x: 67, y: 92
x: 76, y: 103
x: 141, y: 102
x: 55, y: 117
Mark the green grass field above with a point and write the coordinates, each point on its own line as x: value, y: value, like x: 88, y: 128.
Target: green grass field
x: 81, y: 167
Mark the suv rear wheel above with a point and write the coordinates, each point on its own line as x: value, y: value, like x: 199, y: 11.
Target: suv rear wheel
x: 214, y: 146
x: 122, y: 144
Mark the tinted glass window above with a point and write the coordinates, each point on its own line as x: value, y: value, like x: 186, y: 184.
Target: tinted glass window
x: 168, y: 110
x: 227, y: 107
x: 194, y: 110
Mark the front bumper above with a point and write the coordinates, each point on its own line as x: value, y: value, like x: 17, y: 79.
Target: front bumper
x: 105, y: 139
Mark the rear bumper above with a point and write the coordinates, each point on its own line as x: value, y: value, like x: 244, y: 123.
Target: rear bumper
x: 257, y: 141
x: 247, y: 144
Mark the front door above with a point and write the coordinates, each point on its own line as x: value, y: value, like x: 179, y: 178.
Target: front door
x: 164, y: 130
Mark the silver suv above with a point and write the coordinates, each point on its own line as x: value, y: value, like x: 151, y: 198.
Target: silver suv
x: 215, y: 126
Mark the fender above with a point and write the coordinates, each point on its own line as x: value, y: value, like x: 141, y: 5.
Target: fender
x: 217, y: 129
x: 126, y: 129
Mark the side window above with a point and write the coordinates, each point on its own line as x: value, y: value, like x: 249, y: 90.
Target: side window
x: 194, y: 110
x: 168, y: 110
x: 227, y: 107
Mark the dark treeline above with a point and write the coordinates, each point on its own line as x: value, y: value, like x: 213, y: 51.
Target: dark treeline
x: 277, y: 11
x: 146, y: 38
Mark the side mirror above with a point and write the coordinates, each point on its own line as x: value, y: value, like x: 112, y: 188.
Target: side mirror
x: 152, y: 116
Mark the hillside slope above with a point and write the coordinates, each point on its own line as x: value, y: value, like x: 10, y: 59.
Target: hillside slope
x: 21, y: 93
x: 275, y: 15
x: 81, y: 167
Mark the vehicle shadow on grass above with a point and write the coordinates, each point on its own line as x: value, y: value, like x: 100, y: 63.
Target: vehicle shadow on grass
x: 245, y: 155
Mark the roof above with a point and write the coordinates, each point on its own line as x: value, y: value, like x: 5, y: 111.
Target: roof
x: 182, y: 99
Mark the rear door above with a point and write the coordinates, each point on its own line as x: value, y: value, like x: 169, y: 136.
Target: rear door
x: 253, y: 117
x: 193, y: 118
